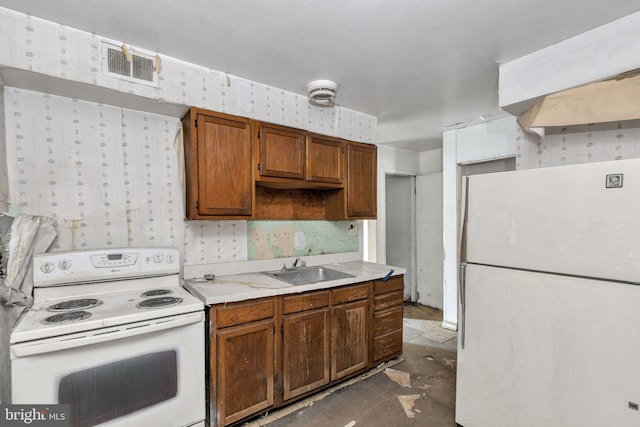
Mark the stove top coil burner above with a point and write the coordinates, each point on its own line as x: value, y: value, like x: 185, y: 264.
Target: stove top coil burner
x: 156, y: 293
x: 159, y: 302
x: 67, y: 317
x: 75, y: 304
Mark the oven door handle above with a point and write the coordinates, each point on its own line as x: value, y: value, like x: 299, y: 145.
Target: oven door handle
x: 103, y: 335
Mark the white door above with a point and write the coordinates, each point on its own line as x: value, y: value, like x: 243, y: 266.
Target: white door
x: 547, y: 350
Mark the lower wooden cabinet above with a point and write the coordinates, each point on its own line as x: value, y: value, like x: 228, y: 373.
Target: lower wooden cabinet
x: 305, y: 343
x: 387, y: 319
x: 268, y: 352
x: 305, y: 365
x: 349, y: 335
x: 245, y: 370
x: 241, y: 360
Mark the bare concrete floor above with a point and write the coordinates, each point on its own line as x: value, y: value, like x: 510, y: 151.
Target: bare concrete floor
x: 429, y: 359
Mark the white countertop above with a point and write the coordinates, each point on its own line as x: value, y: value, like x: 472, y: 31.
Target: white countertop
x: 240, y: 287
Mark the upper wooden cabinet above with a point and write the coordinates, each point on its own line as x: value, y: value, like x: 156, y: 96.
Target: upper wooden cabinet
x: 291, y: 158
x: 218, y: 165
x: 361, y: 180
x: 358, y: 200
x: 325, y: 159
x: 237, y: 168
x: 281, y: 152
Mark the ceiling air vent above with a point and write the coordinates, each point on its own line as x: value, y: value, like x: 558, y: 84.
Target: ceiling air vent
x: 128, y: 65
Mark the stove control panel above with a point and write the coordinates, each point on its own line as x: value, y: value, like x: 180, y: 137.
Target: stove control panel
x: 54, y: 269
x: 118, y: 259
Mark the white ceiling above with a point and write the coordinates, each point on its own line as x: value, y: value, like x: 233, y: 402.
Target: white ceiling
x: 420, y: 66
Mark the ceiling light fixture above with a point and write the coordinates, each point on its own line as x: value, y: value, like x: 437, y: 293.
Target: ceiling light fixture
x: 322, y: 93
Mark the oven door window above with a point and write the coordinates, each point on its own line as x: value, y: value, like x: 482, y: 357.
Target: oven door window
x: 109, y: 391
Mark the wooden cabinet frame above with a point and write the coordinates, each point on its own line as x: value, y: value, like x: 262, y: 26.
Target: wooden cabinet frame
x: 238, y: 168
x: 357, y: 327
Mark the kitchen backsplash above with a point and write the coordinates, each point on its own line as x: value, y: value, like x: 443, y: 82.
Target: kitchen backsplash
x: 110, y: 178
x: 277, y: 239
x: 579, y: 144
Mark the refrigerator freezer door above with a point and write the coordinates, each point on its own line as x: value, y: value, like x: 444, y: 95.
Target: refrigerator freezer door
x: 546, y: 350
x: 560, y: 220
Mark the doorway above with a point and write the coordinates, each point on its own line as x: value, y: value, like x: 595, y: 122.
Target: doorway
x: 400, y: 193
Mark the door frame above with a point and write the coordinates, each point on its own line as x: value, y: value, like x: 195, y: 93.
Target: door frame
x: 411, y: 275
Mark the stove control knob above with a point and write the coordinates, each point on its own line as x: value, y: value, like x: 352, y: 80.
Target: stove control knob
x: 158, y: 257
x: 64, y: 264
x: 47, y: 267
x: 170, y: 259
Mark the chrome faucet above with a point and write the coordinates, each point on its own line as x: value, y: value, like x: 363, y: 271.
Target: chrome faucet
x: 294, y: 265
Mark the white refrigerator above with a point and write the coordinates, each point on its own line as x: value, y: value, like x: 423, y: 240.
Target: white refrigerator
x: 549, y: 324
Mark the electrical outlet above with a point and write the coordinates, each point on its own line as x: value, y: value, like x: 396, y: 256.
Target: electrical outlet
x: 353, y: 227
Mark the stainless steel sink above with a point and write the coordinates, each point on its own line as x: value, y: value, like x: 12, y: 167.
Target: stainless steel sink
x: 306, y: 275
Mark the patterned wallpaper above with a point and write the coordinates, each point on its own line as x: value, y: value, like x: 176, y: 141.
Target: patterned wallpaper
x: 109, y: 174
x: 110, y: 178
x: 579, y: 144
x: 33, y: 44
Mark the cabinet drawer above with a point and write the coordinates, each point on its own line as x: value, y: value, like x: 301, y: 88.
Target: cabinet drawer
x: 387, y: 346
x: 394, y: 283
x: 350, y: 293
x: 243, y: 312
x: 387, y: 320
x: 297, y: 303
x: 390, y: 299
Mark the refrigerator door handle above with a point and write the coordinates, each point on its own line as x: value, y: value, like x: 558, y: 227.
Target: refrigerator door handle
x: 462, y: 284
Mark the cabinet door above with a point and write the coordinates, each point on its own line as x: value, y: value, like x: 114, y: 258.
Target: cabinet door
x: 349, y: 339
x: 245, y: 370
x: 224, y: 166
x: 306, y: 352
x: 325, y: 160
x: 362, y: 180
x: 282, y: 152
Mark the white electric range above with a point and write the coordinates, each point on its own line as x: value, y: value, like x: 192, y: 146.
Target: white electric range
x: 112, y: 334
